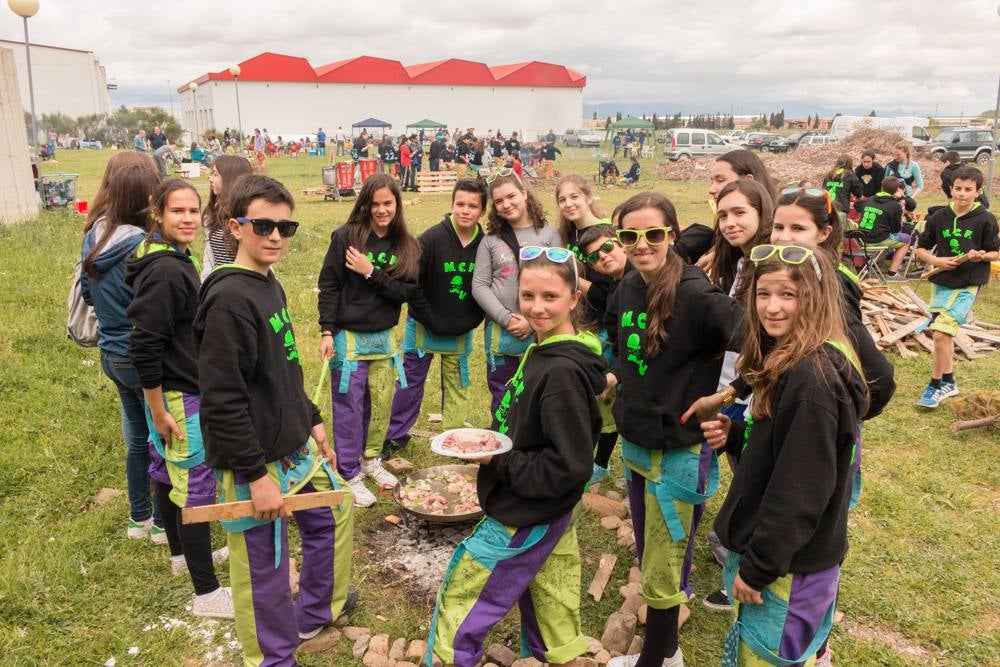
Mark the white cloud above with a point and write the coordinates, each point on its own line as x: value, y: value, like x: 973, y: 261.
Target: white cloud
x: 920, y: 54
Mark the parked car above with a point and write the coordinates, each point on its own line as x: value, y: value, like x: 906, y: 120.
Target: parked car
x: 755, y: 140
x: 775, y: 145
x: 968, y: 143
x: 912, y: 128
x: 734, y: 136
x: 686, y: 143
x: 796, y: 138
x: 818, y: 140
x: 583, y: 138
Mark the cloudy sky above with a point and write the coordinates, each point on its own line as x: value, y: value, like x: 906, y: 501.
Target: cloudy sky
x: 922, y: 56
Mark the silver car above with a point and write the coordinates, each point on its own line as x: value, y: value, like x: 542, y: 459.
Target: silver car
x: 685, y: 143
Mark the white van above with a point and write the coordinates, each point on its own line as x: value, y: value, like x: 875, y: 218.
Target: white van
x: 685, y: 143
x: 912, y: 128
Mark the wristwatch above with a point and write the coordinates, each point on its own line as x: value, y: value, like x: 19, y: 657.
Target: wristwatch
x: 728, y: 398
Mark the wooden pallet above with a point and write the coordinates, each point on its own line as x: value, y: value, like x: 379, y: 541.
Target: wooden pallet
x: 431, y: 182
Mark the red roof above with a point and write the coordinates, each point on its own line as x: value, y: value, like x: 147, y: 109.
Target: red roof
x: 368, y: 69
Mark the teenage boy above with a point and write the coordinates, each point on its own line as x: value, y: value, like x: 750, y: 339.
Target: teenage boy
x: 964, y: 239
x: 266, y: 439
x: 442, y: 315
x: 882, y: 221
x: 870, y: 173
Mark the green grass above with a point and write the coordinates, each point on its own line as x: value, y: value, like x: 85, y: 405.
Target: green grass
x: 923, y: 561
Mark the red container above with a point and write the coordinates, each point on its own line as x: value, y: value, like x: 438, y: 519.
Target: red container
x: 368, y: 167
x: 82, y: 207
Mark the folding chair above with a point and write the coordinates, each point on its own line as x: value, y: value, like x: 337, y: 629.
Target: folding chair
x: 871, y: 253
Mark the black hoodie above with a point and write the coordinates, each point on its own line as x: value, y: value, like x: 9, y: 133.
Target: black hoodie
x: 254, y: 409
x: 550, y: 412
x: 347, y: 300
x: 655, y: 392
x: 786, y: 510
x: 948, y: 178
x: 881, y: 216
x: 443, y: 299
x: 842, y: 186
x: 878, y: 372
x: 161, y: 346
x: 871, y: 179
x: 953, y: 236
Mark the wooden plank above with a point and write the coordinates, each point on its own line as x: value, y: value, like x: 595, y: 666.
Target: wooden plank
x: 981, y: 335
x: 904, y: 331
x: 244, y: 508
x: 916, y: 300
x: 924, y: 341
x: 964, y: 343
x: 904, y: 351
x: 882, y: 326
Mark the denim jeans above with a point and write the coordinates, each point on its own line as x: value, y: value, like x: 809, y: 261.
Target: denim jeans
x: 136, y: 433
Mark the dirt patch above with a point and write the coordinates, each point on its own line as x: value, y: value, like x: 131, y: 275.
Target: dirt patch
x: 897, y: 641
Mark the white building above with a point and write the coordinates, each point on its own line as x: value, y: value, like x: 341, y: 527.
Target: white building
x: 67, y: 81
x: 289, y: 97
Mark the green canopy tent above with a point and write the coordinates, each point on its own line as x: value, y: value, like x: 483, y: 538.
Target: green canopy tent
x: 629, y: 123
x: 426, y: 124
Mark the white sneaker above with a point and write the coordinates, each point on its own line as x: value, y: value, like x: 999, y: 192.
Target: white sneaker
x: 178, y: 565
x: 373, y: 468
x: 139, y: 530
x: 158, y: 535
x: 362, y: 496
x: 217, y: 604
x: 676, y: 660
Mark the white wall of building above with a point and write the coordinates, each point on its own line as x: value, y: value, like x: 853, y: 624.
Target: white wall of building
x: 291, y: 109
x: 18, y: 200
x: 66, y: 80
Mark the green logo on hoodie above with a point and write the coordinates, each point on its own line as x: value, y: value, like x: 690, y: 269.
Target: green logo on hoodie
x: 279, y: 322
x: 633, y: 340
x: 456, y: 285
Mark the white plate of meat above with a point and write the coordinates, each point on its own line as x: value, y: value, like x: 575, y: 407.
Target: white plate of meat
x: 471, y: 443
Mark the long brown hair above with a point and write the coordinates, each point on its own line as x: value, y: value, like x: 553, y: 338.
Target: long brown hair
x: 745, y: 163
x: 128, y: 191
x: 566, y: 227
x: 661, y: 292
x: 359, y: 222
x: 565, y: 271
x: 160, y: 199
x: 819, y: 318
x: 823, y: 213
x: 725, y: 256
x: 494, y: 223
x: 120, y: 160
x: 230, y: 168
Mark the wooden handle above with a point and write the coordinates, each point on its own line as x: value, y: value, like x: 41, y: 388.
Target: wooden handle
x: 244, y: 508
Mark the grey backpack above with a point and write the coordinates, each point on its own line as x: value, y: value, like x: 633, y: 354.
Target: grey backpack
x: 81, y: 320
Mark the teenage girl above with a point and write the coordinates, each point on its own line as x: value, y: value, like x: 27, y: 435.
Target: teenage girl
x: 577, y: 214
x: 842, y: 184
x: 666, y: 321
x: 516, y: 219
x: 525, y: 551
x: 164, y: 276
x: 908, y: 171
x: 784, y: 519
x: 370, y: 269
x: 696, y: 240
x: 117, y: 224
x: 442, y: 315
x: 219, y: 246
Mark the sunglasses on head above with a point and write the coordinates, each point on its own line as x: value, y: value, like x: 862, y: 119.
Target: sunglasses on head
x: 264, y: 226
x: 788, y: 254
x: 652, y: 235
x: 500, y: 173
x: 606, y: 247
x: 812, y: 192
x: 553, y: 254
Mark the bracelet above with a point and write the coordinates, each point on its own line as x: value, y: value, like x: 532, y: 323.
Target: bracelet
x: 325, y: 334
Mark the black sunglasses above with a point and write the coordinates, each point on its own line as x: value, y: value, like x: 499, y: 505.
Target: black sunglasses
x: 264, y: 226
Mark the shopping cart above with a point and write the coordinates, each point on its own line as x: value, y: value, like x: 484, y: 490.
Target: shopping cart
x: 339, y: 181
x: 58, y: 190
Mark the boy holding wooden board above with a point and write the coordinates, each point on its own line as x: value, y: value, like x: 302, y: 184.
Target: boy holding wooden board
x: 266, y: 439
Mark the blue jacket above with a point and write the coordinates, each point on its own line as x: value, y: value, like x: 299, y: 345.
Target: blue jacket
x: 108, y: 293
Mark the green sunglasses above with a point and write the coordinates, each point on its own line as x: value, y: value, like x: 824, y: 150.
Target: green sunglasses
x: 606, y: 247
x: 788, y: 254
x: 652, y: 235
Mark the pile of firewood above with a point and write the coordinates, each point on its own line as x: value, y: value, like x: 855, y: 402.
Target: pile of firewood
x: 898, y: 319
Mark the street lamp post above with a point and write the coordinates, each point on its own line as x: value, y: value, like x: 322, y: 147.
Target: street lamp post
x: 26, y: 9
x: 235, y: 71
x: 170, y: 93
x: 193, y: 87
